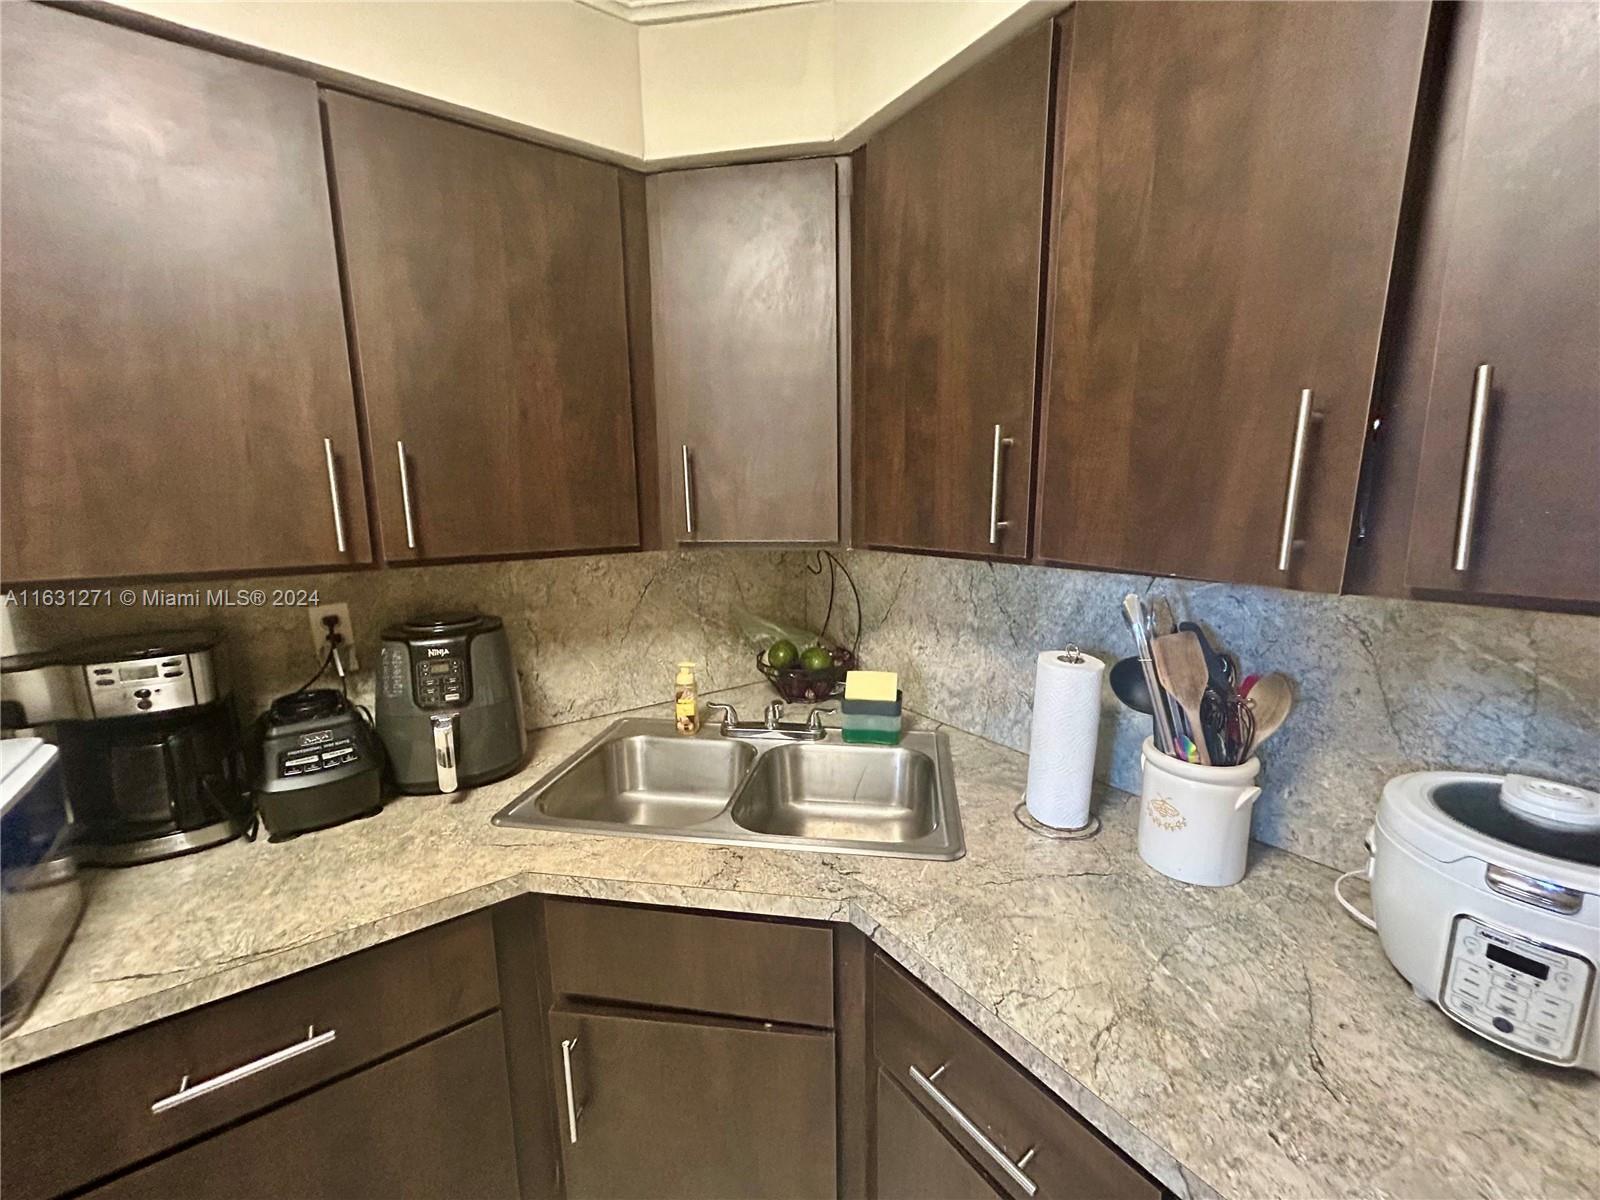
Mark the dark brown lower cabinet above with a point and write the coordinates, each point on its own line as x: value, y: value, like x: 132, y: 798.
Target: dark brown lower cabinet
x: 915, y: 1161
x: 432, y: 1122
x: 1027, y: 1143
x: 677, y: 1106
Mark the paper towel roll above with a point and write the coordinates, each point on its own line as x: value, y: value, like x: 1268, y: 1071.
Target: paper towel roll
x: 1061, y: 746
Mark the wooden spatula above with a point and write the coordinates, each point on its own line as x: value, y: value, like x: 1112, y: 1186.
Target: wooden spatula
x: 1181, y: 664
x: 1271, y: 698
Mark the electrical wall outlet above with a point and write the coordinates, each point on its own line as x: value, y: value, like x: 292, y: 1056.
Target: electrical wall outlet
x: 343, y: 627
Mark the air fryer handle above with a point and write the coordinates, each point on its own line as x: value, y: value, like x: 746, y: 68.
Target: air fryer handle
x: 444, y: 750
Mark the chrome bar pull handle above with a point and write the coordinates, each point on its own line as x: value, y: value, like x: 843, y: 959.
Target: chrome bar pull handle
x: 995, y: 523
x: 1014, y: 1170
x: 574, y: 1109
x: 444, y: 751
x: 1477, y: 424
x: 405, y: 496
x: 216, y: 1083
x: 688, y: 494
x: 1297, y: 465
x: 333, y: 494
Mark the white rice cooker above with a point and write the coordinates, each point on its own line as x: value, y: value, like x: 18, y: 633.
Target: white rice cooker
x: 1486, y: 892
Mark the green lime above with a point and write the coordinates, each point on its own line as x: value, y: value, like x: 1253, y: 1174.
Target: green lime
x: 816, y: 659
x: 781, y: 654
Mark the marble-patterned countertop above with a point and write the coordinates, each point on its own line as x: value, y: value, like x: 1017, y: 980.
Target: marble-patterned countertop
x: 1250, y: 1041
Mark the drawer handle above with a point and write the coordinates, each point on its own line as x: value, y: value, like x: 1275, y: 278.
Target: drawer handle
x: 1013, y: 1169
x: 216, y: 1083
x: 574, y: 1109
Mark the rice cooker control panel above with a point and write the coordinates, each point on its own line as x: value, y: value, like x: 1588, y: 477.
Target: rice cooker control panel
x: 1523, y: 994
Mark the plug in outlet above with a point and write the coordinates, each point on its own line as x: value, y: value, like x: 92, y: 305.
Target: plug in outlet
x: 339, y: 614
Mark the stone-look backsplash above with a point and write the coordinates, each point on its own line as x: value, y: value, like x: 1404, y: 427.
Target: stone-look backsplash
x: 593, y: 635
x: 1382, y: 686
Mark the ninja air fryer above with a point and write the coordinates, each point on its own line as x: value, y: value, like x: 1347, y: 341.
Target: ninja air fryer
x: 449, y: 705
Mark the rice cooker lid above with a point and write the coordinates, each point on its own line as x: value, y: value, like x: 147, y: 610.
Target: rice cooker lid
x: 1537, y: 826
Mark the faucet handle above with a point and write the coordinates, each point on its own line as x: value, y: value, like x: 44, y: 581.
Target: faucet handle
x: 774, y: 714
x: 730, y: 715
x: 814, y: 721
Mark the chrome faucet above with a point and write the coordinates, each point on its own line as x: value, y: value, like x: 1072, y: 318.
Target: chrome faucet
x: 772, y: 724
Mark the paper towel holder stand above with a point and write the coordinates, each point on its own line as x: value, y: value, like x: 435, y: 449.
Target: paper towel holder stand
x: 1072, y: 655
x: 1033, y: 825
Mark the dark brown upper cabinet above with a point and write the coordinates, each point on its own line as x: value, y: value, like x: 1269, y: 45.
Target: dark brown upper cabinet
x: 950, y: 214
x: 745, y: 323
x: 175, y: 372
x: 1507, y: 498
x: 1228, y: 197
x: 486, y: 284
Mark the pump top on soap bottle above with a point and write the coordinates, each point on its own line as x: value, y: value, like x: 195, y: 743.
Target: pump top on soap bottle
x: 686, y: 700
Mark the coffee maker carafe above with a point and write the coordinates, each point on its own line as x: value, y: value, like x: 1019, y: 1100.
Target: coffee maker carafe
x: 149, y: 741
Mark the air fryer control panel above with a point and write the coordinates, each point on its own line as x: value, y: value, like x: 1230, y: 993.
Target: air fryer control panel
x: 441, y: 675
x: 1520, y: 993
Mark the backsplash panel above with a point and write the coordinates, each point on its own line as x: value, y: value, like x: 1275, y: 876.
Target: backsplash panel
x: 1382, y: 686
x: 592, y: 635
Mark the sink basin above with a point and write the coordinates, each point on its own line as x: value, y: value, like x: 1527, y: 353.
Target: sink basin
x: 838, y: 792
x: 640, y: 778
x: 649, y: 779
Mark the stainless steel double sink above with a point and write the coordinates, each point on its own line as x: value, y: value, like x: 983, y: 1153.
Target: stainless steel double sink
x: 641, y: 778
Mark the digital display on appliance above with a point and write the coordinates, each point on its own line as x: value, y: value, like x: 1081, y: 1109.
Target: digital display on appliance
x: 128, y: 673
x: 1517, y: 962
x: 438, y: 668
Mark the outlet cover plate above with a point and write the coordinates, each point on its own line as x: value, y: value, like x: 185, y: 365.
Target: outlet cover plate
x: 319, y: 632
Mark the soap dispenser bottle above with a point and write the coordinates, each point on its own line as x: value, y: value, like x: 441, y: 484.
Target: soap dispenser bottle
x: 686, y: 700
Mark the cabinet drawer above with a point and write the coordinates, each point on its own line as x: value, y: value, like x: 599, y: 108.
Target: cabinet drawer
x: 927, y: 1049
x: 728, y: 966
x: 434, y: 1121
x: 75, y: 1119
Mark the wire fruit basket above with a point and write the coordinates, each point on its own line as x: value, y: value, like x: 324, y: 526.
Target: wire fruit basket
x: 799, y: 684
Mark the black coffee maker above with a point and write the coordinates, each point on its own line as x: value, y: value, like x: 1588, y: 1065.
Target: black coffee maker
x: 149, y: 740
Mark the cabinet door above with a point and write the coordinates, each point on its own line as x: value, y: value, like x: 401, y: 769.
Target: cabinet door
x: 1520, y: 296
x: 432, y: 1122
x: 951, y: 204
x: 1229, y: 195
x: 672, y: 1107
x: 913, y: 1160
x: 486, y: 283
x: 745, y: 303
x: 176, y: 377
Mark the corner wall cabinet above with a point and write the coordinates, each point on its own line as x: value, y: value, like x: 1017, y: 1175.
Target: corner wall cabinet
x: 745, y: 328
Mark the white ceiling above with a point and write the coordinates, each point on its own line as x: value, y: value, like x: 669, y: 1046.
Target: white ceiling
x: 659, y: 12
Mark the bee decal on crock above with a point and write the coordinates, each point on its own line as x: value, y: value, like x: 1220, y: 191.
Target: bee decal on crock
x: 1165, y: 814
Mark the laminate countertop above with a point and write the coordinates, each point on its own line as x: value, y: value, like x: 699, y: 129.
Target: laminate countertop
x: 1249, y: 1041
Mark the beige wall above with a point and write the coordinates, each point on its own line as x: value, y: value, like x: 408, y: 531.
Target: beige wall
x: 741, y: 82
x: 554, y: 65
x: 802, y: 77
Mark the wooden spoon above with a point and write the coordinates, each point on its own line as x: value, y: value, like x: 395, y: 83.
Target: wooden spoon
x: 1182, y: 666
x: 1271, y: 699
